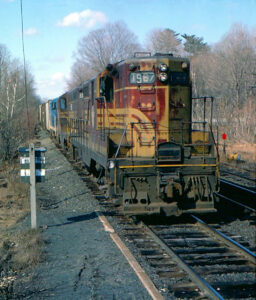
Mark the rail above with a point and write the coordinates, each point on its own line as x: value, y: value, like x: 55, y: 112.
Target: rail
x: 239, y: 187
x: 235, y: 202
x: 227, y: 241
x: 196, y: 278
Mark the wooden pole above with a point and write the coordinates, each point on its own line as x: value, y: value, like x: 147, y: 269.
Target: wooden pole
x: 32, y: 185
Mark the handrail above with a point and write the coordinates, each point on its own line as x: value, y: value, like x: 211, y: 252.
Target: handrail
x: 204, y: 123
x: 206, y: 127
x: 121, y: 140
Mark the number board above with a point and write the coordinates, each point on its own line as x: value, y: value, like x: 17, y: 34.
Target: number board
x: 179, y: 78
x: 146, y: 77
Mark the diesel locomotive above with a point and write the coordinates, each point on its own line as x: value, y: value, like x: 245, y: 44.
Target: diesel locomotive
x: 132, y: 126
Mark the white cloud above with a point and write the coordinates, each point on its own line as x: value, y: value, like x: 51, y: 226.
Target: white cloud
x: 56, y: 77
x: 86, y: 18
x: 31, y: 31
x: 53, y: 86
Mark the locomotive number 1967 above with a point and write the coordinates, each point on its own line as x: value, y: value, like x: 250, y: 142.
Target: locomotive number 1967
x: 142, y: 77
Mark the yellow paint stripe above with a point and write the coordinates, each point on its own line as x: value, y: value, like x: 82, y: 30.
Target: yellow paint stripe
x: 165, y: 166
x: 145, y: 280
x: 136, y: 88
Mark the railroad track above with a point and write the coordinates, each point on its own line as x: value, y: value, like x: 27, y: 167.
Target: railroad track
x: 241, y: 196
x: 242, y: 177
x: 247, y: 178
x: 243, y: 167
x: 198, y: 261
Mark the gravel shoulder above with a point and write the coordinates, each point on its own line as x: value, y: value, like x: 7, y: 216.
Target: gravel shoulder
x: 81, y: 260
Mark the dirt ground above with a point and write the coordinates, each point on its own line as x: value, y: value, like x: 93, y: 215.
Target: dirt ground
x: 79, y: 259
x: 245, y: 150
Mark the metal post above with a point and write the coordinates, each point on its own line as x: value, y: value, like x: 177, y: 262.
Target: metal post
x: 211, y: 109
x: 32, y: 185
x: 204, y: 130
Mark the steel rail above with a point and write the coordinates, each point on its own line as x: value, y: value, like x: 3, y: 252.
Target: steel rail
x: 235, y: 202
x: 238, y: 186
x: 237, y: 175
x: 227, y: 241
x: 196, y: 278
x: 242, y: 169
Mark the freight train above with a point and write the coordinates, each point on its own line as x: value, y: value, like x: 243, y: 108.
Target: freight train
x: 132, y: 127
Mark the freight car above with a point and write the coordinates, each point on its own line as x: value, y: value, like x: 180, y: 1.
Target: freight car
x: 48, y: 116
x: 132, y: 126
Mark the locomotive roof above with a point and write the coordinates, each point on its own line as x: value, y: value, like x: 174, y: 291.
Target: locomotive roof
x: 156, y: 56
x: 138, y: 56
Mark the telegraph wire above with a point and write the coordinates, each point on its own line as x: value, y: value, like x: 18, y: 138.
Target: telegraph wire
x: 24, y: 66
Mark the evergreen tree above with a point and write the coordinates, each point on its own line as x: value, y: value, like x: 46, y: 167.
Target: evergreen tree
x: 194, y: 44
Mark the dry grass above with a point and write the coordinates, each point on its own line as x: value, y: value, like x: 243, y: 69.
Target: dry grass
x: 14, y: 202
x: 28, y: 249
x: 21, y: 250
x: 246, y: 150
x: 18, y: 249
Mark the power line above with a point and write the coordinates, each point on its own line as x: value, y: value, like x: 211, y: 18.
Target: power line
x: 24, y: 65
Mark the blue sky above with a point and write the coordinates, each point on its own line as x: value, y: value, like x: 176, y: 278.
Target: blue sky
x: 54, y: 27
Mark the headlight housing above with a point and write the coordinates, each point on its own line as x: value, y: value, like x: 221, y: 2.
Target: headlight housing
x: 163, y: 77
x: 184, y: 65
x: 111, y: 164
x: 133, y: 66
x: 162, y: 67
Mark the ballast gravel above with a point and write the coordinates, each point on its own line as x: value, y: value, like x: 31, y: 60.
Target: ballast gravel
x: 243, y: 228
x: 81, y: 260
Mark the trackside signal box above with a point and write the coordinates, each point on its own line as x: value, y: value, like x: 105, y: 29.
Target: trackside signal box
x: 25, y: 164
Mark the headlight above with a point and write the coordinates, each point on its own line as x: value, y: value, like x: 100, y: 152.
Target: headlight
x: 162, y: 67
x: 184, y: 65
x: 111, y: 164
x: 163, y: 77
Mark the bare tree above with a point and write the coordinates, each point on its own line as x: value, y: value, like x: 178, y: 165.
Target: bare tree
x: 237, y: 56
x: 164, y: 41
x: 227, y: 73
x: 13, y: 117
x: 100, y: 47
x: 80, y: 72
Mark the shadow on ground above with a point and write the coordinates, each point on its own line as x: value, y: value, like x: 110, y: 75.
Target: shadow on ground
x: 80, y: 218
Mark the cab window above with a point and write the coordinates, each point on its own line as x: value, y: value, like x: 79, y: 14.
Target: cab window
x: 63, y: 104
x: 53, y: 105
x: 106, y: 88
x: 92, y: 92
